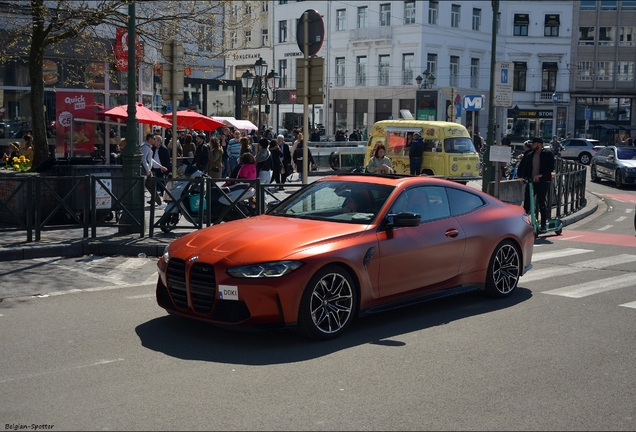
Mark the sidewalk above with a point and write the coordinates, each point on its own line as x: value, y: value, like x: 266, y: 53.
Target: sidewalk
x: 109, y: 241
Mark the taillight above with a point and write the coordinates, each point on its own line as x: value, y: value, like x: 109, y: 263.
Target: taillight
x: 526, y: 219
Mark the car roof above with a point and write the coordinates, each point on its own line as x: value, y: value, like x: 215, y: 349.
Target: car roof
x: 391, y: 179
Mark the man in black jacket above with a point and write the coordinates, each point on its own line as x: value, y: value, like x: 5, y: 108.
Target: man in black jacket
x: 537, y: 166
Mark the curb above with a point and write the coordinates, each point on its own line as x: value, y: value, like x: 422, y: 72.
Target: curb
x: 590, y: 207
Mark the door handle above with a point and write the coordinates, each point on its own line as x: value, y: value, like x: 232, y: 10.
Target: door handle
x: 452, y: 233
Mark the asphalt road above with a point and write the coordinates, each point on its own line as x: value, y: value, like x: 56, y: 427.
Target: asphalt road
x: 94, y: 351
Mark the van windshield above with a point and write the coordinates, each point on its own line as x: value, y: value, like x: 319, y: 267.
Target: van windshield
x: 459, y: 145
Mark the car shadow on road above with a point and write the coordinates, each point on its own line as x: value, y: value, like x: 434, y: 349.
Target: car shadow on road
x: 195, y: 340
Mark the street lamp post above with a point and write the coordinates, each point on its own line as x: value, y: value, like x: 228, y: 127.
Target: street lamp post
x: 427, y: 81
x: 257, y: 84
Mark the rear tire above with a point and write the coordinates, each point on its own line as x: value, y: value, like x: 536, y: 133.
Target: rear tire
x: 504, y: 270
x: 585, y: 158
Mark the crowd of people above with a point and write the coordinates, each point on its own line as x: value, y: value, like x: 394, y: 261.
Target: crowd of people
x: 227, y: 153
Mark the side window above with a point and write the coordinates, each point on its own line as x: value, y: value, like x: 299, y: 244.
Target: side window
x: 431, y: 202
x: 462, y: 202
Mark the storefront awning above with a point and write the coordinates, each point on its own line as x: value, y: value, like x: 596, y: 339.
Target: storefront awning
x: 614, y: 127
x: 238, y: 124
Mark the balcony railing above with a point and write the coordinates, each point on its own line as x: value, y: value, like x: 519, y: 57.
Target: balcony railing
x: 546, y: 97
x: 371, y: 33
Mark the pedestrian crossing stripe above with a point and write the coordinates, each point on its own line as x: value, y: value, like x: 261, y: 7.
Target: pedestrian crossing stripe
x: 629, y: 305
x: 594, y: 264
x: 594, y: 287
x: 541, y: 256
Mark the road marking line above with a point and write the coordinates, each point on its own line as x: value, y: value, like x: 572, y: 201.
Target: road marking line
x: 97, y: 289
x: 594, y: 287
x: 629, y: 305
x: 629, y: 210
x: 600, y: 263
x: 84, y: 272
x: 558, y: 254
x: 97, y: 363
x: 570, y: 238
x: 547, y: 273
x: 606, y: 227
x: 140, y: 296
x: 620, y: 219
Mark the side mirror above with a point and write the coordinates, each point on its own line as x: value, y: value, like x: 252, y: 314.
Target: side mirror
x: 404, y: 219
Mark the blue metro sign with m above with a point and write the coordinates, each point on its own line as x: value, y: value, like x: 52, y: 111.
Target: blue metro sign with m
x: 473, y: 103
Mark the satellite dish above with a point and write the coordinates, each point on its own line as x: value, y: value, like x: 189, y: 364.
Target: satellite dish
x: 316, y: 32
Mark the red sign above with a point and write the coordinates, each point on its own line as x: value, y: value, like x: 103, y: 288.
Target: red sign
x: 121, y: 49
x: 70, y: 108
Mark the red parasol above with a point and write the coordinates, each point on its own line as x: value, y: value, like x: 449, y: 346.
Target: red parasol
x: 144, y: 115
x: 190, y: 119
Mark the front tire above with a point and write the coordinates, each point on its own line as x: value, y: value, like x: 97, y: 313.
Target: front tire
x: 594, y: 175
x: 618, y: 179
x: 328, y: 305
x: 169, y: 221
x: 504, y: 270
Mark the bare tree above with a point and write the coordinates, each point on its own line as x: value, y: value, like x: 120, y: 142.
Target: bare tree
x: 79, y: 28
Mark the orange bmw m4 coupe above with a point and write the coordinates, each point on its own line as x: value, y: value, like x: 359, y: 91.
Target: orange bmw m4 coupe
x: 344, y: 246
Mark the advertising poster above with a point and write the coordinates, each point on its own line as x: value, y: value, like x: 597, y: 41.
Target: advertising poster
x: 71, y: 106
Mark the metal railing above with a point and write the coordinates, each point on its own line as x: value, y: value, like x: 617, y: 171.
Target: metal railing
x: 34, y: 204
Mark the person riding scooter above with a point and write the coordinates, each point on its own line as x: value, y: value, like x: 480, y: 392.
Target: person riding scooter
x: 536, y: 166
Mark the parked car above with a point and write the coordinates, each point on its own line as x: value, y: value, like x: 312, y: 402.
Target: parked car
x: 580, y: 148
x: 615, y: 163
x: 343, y: 246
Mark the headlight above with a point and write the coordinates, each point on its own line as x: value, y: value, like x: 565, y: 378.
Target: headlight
x: 166, y: 255
x: 265, y: 270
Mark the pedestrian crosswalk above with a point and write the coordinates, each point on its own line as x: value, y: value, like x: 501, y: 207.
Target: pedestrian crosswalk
x: 598, y: 279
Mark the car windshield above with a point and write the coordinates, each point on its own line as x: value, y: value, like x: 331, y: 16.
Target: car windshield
x: 458, y: 145
x: 626, y: 154
x: 336, y: 201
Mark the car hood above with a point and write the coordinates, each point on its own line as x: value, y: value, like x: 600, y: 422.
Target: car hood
x: 263, y: 238
x: 627, y: 163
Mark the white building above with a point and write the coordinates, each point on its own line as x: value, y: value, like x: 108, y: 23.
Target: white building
x: 374, y: 51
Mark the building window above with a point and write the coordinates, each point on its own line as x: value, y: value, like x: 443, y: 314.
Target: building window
x: 474, y: 73
x: 363, y: 17
x: 521, y: 22
x: 609, y: 5
x: 248, y: 9
x: 408, y: 63
x: 340, y: 71
x: 585, y: 71
x: 341, y: 19
x: 265, y: 6
x: 625, y: 71
x: 282, y: 72
x: 476, y: 19
x: 498, y: 22
x: 282, y: 2
x: 409, y: 12
x: 384, y: 65
x: 551, y: 28
x: 626, y: 37
x: 431, y: 64
x: 549, y: 76
x: 604, y: 70
x: 454, y: 71
x: 588, y: 5
x: 433, y: 12
x: 606, y: 36
x: 361, y: 71
x: 628, y: 5
x: 519, y: 78
x: 385, y: 15
x: 264, y: 37
x: 248, y: 38
x: 282, y: 31
x: 586, y: 35
x: 233, y: 40
x: 455, y: 11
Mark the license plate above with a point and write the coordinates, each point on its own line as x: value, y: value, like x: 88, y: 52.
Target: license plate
x: 467, y: 174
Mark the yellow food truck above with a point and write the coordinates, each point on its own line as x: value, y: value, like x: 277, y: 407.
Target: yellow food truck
x: 449, y: 150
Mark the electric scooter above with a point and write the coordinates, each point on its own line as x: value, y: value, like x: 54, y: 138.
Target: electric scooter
x: 553, y: 225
